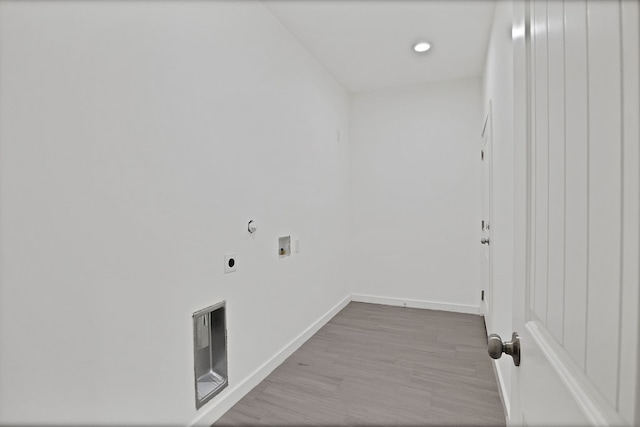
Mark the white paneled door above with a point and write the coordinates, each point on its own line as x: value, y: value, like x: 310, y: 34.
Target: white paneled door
x: 577, y: 181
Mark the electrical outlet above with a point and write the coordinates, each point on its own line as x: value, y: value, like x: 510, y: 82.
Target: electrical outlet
x: 230, y: 263
x: 284, y: 246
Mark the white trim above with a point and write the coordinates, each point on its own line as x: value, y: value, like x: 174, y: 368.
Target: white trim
x: 232, y: 395
x: 504, y: 397
x: 592, y: 403
x: 414, y: 303
x: 483, y: 308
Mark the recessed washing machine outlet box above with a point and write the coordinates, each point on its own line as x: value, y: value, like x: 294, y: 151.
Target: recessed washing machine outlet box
x: 230, y: 263
x: 210, y: 352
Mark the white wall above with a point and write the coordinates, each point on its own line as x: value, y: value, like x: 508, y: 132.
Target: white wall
x: 137, y: 139
x: 498, y: 91
x: 416, y: 192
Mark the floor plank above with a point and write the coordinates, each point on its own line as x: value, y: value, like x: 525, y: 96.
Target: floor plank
x: 381, y: 365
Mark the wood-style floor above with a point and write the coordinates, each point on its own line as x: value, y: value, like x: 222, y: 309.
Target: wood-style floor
x: 381, y: 365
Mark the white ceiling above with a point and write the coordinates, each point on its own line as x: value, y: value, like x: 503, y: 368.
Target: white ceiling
x: 367, y: 44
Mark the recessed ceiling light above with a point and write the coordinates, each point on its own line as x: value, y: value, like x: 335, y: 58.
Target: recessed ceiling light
x: 421, y: 47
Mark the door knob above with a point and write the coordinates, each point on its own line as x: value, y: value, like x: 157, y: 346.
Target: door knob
x: 497, y: 347
x: 484, y: 241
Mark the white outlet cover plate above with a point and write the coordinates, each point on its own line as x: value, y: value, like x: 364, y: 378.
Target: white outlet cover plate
x: 230, y: 263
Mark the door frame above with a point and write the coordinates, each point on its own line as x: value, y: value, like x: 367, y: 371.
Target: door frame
x: 486, y: 306
x: 521, y: 183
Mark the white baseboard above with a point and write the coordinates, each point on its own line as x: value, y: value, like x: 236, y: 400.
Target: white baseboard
x: 413, y: 303
x: 483, y: 309
x: 231, y: 396
x: 504, y: 397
